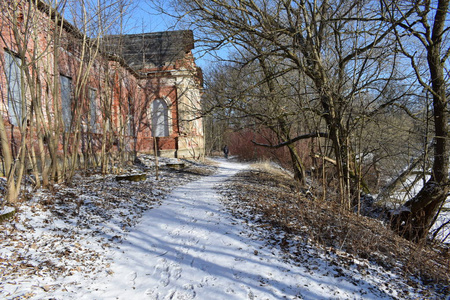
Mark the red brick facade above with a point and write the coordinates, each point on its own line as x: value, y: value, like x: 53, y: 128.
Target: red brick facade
x: 109, y: 94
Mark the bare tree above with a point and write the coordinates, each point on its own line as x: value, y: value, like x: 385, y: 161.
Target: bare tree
x: 46, y: 109
x: 353, y: 55
x: 22, y: 65
x: 338, y: 45
x: 422, y: 39
x: 265, y: 99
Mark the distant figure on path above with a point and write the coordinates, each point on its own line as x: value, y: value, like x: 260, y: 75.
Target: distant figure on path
x: 225, y: 151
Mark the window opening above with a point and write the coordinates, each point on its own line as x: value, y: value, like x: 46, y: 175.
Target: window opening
x: 14, y: 79
x: 160, y: 118
x: 66, y: 100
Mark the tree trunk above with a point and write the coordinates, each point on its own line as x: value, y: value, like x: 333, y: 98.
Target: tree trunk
x: 299, y: 170
x: 415, y: 219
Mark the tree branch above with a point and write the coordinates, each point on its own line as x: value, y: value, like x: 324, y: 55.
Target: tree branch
x: 291, y: 141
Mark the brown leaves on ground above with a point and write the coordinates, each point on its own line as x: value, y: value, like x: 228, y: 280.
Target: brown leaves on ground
x: 271, y: 201
x: 64, y: 230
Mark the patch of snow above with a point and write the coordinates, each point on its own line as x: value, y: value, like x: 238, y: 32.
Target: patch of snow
x: 6, y: 210
x: 188, y: 247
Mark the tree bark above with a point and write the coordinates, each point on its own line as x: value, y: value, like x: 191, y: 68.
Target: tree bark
x: 415, y: 219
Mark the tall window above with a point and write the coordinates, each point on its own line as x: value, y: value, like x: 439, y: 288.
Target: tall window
x: 93, y: 109
x: 66, y: 100
x: 160, y: 118
x: 130, y: 118
x: 12, y: 69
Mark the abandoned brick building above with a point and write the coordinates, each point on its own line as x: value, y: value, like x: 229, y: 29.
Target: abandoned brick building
x: 170, y: 79
x: 144, y: 88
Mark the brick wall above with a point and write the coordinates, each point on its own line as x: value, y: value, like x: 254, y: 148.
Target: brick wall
x: 108, y: 96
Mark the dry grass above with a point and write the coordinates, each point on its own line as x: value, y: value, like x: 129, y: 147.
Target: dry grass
x: 271, y: 198
x: 277, y: 172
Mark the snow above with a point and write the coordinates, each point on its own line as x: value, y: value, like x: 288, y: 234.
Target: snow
x: 191, y: 247
x: 6, y: 210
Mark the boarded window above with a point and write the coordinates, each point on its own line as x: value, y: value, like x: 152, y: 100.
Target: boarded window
x: 93, y: 109
x: 66, y: 100
x: 12, y: 69
x: 160, y: 118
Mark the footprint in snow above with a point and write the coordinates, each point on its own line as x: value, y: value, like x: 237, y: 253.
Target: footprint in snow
x: 152, y: 294
x: 165, y: 278
x: 131, y: 277
x: 175, y: 232
x: 250, y: 295
x: 176, y: 272
x: 207, y: 281
x: 161, y: 265
x: 167, y: 272
x: 188, y: 293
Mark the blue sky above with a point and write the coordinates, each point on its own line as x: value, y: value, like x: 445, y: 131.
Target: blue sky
x: 139, y: 17
x: 145, y: 19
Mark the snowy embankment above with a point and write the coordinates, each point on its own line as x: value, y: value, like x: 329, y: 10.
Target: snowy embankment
x: 192, y: 247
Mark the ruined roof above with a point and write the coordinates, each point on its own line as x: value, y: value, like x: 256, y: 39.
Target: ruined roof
x: 150, y: 50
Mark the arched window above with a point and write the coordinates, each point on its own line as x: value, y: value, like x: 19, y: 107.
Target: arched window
x: 160, y: 118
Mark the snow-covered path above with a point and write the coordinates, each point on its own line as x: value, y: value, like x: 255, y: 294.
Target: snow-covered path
x: 191, y: 247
